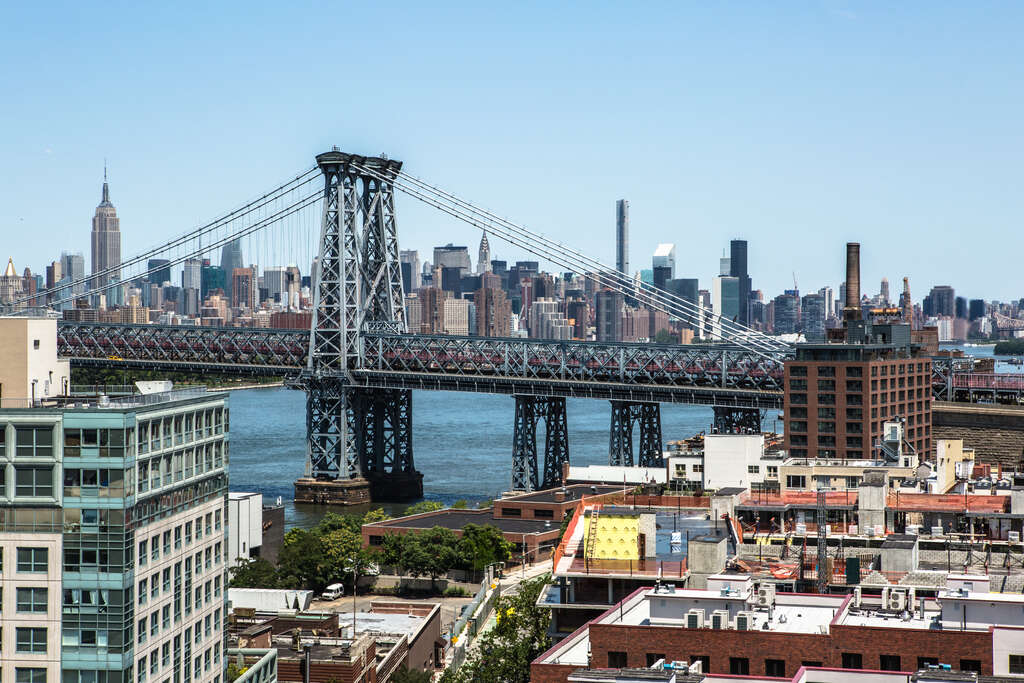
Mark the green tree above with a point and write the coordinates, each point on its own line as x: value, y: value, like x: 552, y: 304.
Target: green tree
x: 406, y: 675
x: 333, y: 521
x: 430, y: 553
x: 504, y: 653
x: 256, y: 573
x: 483, y: 545
x: 460, y: 504
x: 302, y: 562
x: 423, y: 506
x: 376, y: 515
x: 341, y: 548
x: 391, y: 550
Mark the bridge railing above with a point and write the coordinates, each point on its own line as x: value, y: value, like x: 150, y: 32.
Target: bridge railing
x: 714, y: 366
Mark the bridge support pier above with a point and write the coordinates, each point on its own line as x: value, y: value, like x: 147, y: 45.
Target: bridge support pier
x: 732, y: 420
x: 360, y: 445
x: 625, y: 415
x: 529, y: 411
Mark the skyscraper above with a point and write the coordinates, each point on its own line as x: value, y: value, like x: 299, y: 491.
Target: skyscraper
x: 106, y: 240
x: 738, y: 270
x: 231, y: 258
x: 159, y: 270
x: 609, y: 307
x: 725, y: 303
x: 483, y: 264
x: 883, y: 292
x: 622, y: 236
x: 409, y: 260
x: 452, y: 256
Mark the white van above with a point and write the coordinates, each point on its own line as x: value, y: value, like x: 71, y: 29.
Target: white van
x: 333, y: 591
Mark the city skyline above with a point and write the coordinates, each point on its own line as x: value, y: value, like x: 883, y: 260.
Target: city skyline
x: 794, y: 158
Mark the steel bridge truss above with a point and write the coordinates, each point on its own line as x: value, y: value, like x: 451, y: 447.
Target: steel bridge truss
x: 732, y: 420
x: 243, y: 349
x: 625, y: 416
x: 712, y: 366
x: 530, y: 411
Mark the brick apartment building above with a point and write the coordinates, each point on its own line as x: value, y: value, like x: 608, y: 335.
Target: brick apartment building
x: 735, y: 630
x: 838, y: 396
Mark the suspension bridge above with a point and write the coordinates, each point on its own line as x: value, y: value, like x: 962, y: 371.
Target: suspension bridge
x: 358, y: 363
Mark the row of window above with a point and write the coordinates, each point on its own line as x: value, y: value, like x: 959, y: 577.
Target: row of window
x: 180, y: 465
x: 161, y: 658
x: 106, y: 443
x: 31, y: 559
x: 182, y: 534
x: 161, y: 619
x: 179, y: 429
x: 776, y: 668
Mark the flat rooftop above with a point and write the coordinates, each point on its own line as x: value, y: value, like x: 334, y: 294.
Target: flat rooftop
x: 572, y: 492
x: 457, y: 519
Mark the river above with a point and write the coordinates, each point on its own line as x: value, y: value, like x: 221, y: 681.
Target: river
x: 462, y: 442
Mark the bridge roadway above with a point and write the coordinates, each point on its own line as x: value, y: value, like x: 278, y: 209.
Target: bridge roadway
x: 697, y: 374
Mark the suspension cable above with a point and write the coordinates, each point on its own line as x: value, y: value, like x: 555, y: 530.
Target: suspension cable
x: 566, y: 257
x: 291, y: 185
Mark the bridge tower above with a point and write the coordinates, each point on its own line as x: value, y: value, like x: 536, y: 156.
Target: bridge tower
x: 529, y: 411
x: 359, y: 439
x: 625, y: 416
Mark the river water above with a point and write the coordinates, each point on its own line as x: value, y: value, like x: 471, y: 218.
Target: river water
x: 462, y: 442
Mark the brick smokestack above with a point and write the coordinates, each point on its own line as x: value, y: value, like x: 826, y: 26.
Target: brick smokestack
x: 851, y: 311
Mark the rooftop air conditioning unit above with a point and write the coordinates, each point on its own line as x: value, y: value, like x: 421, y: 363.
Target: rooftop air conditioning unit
x: 1014, y: 537
x: 858, y: 597
x: 936, y: 531
x: 720, y: 619
x: 801, y: 528
x: 745, y: 621
x: 897, y: 601
x: 695, y: 618
x: 766, y: 595
x: 913, y: 529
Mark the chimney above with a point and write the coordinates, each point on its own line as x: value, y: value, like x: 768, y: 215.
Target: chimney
x: 851, y: 311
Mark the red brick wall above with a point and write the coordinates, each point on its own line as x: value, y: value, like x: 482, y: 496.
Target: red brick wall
x: 949, y: 647
x: 550, y: 673
x: 681, y: 644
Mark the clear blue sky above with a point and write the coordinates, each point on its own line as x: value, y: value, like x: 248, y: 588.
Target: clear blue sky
x: 797, y: 126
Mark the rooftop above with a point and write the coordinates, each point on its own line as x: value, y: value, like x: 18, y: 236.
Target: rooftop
x: 457, y: 519
x: 573, y: 492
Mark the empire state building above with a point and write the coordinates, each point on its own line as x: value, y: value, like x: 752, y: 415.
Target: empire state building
x: 106, y: 241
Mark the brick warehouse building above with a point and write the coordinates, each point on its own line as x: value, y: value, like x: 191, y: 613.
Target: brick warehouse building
x: 839, y: 395
x: 729, y: 632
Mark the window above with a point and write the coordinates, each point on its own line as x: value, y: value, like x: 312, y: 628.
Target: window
x: 889, y: 662
x: 705, y: 662
x: 826, y: 385
x: 154, y: 624
x: 166, y: 614
x: 653, y: 657
x: 537, y: 514
x: 142, y: 630
x: 33, y: 481
x: 188, y: 533
x: 32, y: 640
x: 143, y: 557
x: 739, y: 666
x: 25, y: 675
x: 33, y: 442
x: 810, y: 663
x: 32, y: 600
x: 167, y: 580
x: 773, y: 472
x: 143, y: 593
x: 165, y: 654
x: 617, y: 660
x: 970, y: 665
x: 852, y: 660
x: 32, y: 560
x: 796, y: 481
x: 697, y: 469
x: 511, y: 512
x: 799, y: 399
x: 167, y: 543
x: 141, y: 666
x: 775, y: 667
x: 753, y: 469
x: 154, y: 544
